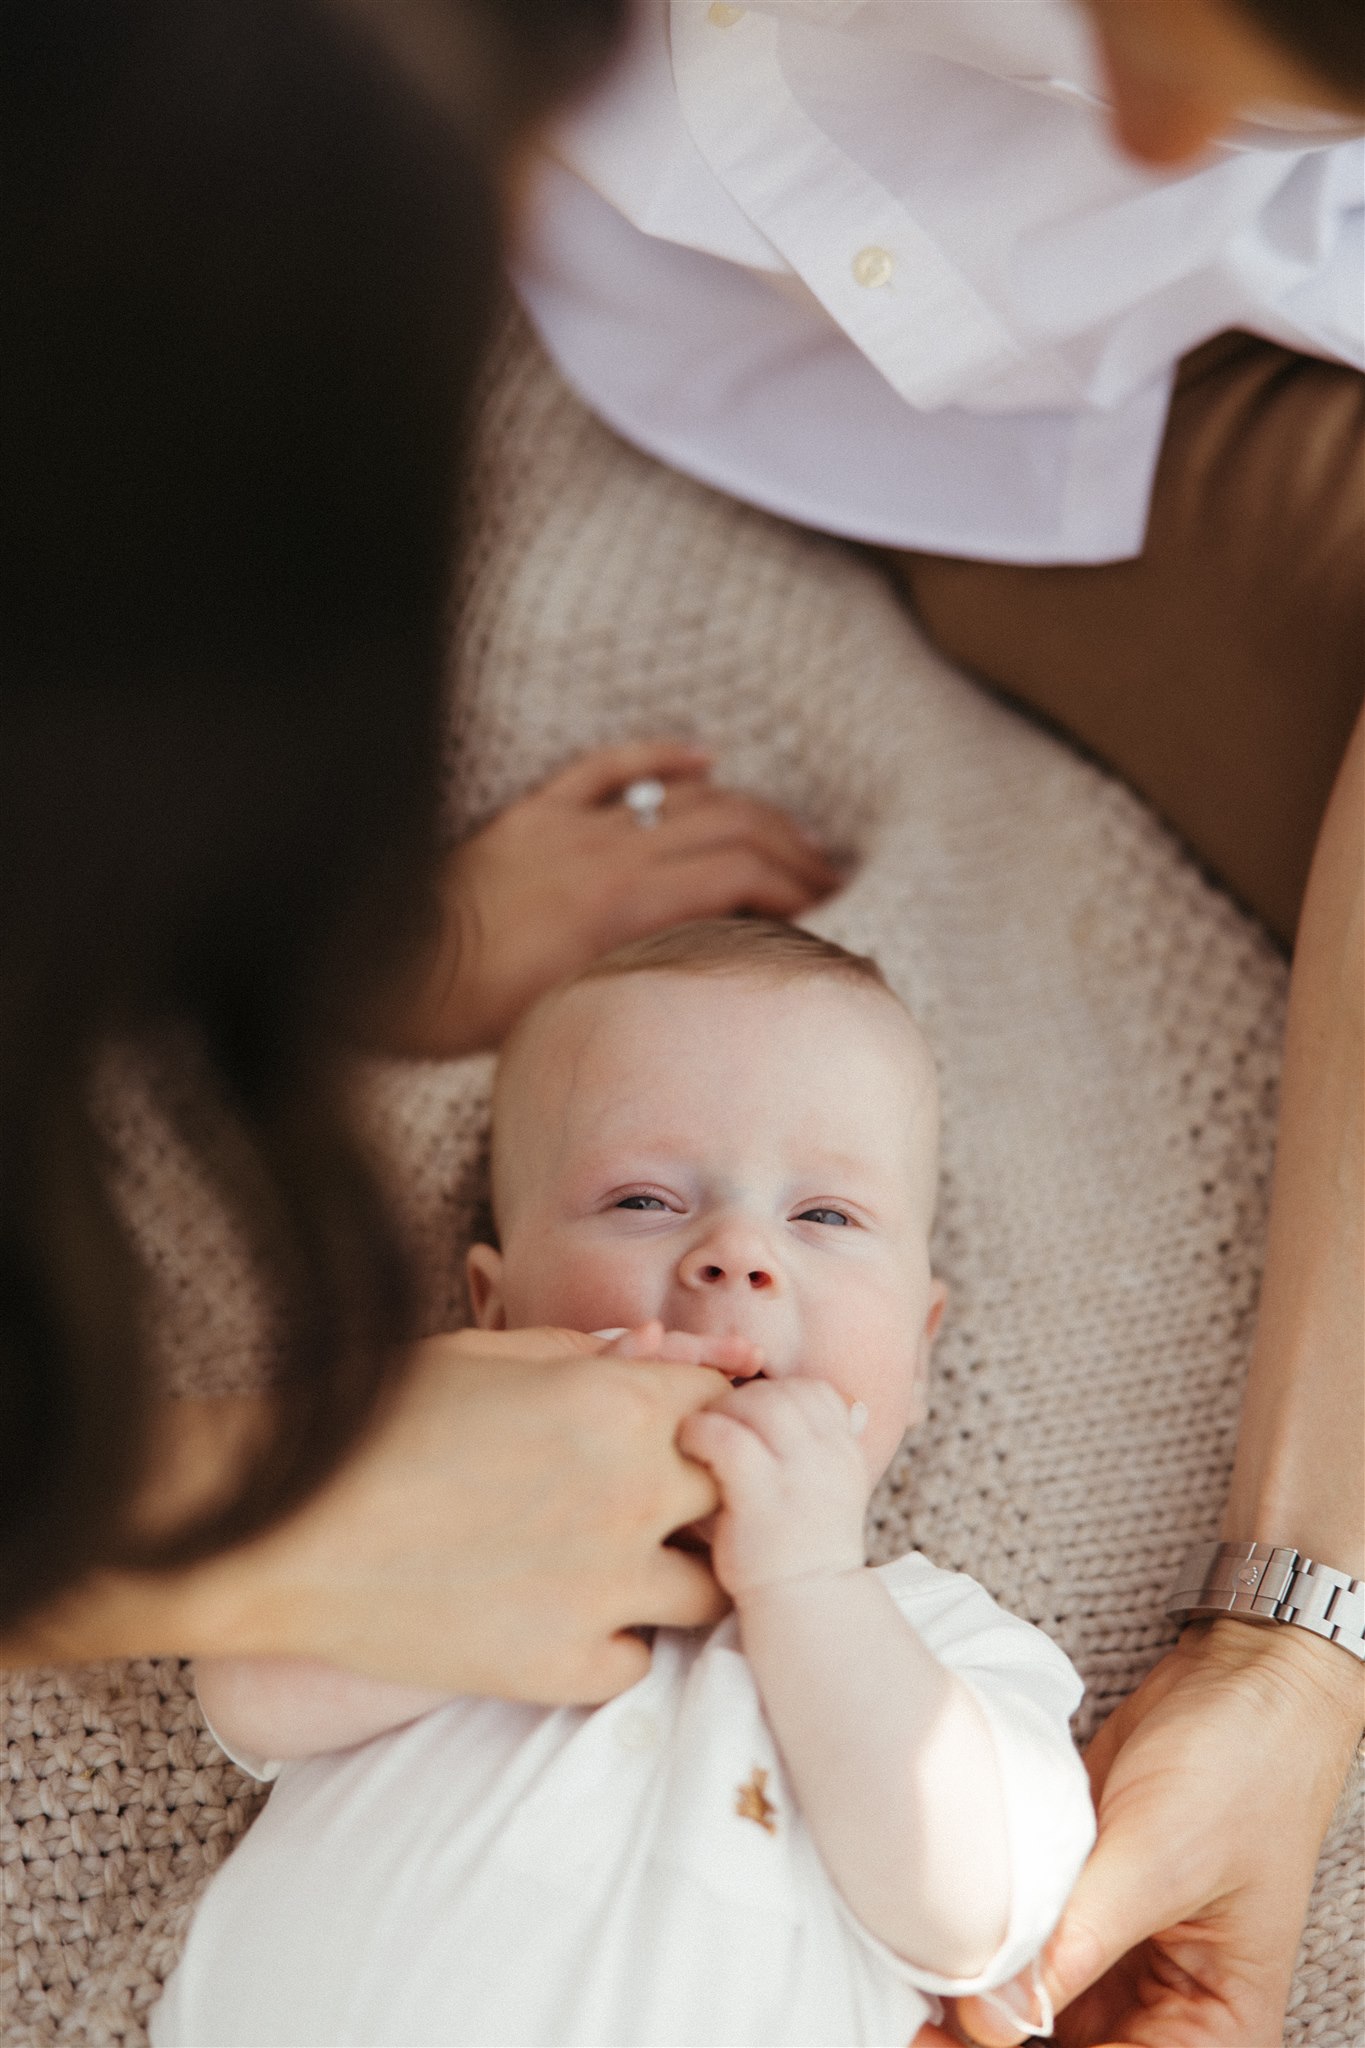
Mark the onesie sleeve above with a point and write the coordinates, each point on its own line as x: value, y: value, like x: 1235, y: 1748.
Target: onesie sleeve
x: 1027, y: 1689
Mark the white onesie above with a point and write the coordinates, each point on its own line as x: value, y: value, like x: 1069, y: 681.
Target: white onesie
x: 633, y: 1874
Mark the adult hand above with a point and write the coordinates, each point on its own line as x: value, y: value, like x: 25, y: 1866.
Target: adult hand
x: 567, y: 873
x: 1214, y: 1784
x: 502, y: 1530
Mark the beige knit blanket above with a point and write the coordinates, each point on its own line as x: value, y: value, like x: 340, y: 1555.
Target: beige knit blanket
x: 1108, y: 1027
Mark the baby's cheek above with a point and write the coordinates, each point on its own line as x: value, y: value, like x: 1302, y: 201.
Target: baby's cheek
x: 591, y: 1288
x: 867, y: 1353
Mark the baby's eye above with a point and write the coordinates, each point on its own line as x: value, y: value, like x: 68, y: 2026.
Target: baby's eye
x: 639, y: 1202
x: 822, y: 1216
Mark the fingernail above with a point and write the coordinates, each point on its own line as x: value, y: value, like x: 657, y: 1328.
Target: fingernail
x: 1024, y: 2004
x: 609, y: 1335
x: 857, y: 1418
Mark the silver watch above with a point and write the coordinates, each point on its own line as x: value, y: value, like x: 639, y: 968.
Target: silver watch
x: 1266, y: 1582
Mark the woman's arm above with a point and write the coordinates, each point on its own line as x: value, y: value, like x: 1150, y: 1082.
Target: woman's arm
x: 1299, y: 1477
x: 502, y: 1530
x: 1216, y: 1782
x: 199, y: 1449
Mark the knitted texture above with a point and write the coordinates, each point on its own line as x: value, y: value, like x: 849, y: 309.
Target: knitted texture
x: 1108, y: 1030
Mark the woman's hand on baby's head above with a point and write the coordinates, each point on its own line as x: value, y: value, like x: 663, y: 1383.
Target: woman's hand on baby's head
x: 565, y: 874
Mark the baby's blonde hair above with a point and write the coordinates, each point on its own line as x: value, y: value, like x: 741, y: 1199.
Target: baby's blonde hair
x: 752, y: 946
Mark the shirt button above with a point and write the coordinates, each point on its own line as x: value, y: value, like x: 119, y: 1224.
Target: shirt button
x: 721, y: 16
x: 873, y: 267
x: 637, y: 1730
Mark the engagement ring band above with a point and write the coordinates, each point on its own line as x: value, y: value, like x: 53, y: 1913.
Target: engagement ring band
x: 645, y: 801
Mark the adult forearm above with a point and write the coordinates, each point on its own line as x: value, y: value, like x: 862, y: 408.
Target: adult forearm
x: 112, y: 1614
x: 1299, y: 1477
x: 198, y: 1448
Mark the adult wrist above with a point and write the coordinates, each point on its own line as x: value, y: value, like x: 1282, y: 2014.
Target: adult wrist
x: 108, y: 1615
x: 1273, y: 1585
x: 1324, y: 1687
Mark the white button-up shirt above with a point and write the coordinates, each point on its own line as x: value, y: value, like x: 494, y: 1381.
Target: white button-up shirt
x: 878, y: 266
x: 632, y: 1876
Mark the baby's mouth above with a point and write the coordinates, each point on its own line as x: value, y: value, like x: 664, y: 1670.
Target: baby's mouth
x: 745, y: 1379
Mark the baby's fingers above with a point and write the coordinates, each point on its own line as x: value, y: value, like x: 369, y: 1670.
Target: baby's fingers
x: 730, y: 1451
x: 789, y: 1414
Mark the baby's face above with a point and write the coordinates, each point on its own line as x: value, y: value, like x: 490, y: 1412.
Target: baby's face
x: 725, y: 1155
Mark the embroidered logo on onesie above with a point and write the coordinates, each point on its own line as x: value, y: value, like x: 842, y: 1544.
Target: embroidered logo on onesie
x: 752, y: 1801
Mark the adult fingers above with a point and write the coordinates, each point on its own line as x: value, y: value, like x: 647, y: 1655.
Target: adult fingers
x: 539, y: 1341
x: 729, y: 1353
x: 679, y: 1591
x: 1098, y: 1929
x: 713, y: 885
x: 681, y: 1385
x: 689, y: 1496
x: 604, y: 772
x: 676, y: 1591
x: 608, y: 1668
x: 981, y: 2022
x: 701, y: 819
x: 1117, y: 1903
x: 625, y: 1416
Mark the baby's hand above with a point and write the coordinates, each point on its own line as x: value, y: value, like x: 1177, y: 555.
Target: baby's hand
x: 793, y: 1483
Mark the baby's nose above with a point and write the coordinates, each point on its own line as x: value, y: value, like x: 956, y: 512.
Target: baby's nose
x: 731, y: 1267
x: 716, y: 1276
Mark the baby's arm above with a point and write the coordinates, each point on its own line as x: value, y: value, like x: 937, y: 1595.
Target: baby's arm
x: 889, y: 1752
x: 286, y: 1707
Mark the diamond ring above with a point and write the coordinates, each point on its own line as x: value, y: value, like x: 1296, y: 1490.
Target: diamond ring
x: 645, y: 801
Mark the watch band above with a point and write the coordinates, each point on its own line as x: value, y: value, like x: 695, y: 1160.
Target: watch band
x: 1268, y: 1583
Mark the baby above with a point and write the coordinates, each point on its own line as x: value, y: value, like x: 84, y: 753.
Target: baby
x: 856, y: 1792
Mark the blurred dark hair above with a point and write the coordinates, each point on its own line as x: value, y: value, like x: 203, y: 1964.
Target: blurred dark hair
x: 247, y: 277
x: 1326, y: 35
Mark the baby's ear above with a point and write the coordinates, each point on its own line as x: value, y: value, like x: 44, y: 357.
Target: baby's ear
x: 938, y: 1302
x: 483, y: 1278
